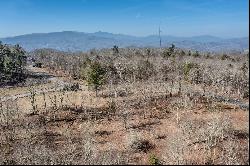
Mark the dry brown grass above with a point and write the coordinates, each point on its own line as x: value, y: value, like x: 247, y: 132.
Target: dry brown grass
x: 175, y: 120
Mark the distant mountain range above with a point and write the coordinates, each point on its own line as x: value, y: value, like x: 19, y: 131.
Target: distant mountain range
x: 80, y: 41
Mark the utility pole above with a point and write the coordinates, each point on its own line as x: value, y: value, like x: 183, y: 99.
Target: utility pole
x: 160, y: 35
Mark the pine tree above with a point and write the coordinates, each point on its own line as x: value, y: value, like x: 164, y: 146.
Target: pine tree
x: 95, y: 75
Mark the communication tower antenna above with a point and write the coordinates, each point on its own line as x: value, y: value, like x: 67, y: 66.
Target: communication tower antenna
x: 160, y: 34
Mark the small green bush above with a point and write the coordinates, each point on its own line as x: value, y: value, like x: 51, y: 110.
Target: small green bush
x: 187, y: 67
x: 153, y: 160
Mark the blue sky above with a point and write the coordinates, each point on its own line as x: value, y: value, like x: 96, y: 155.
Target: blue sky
x: 223, y: 18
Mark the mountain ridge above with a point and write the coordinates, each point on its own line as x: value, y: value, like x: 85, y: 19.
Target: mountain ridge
x: 82, y: 41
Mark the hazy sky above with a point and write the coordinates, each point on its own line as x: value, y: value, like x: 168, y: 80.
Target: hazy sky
x: 223, y: 18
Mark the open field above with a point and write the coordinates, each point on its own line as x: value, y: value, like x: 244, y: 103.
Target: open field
x: 168, y: 111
